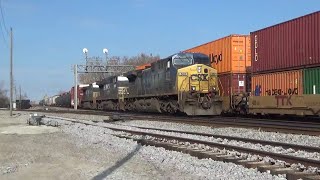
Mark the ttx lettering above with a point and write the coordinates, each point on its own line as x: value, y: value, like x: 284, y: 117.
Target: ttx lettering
x: 283, y: 100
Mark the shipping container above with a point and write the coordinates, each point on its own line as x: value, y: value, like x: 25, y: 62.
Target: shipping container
x: 280, y: 83
x: 233, y: 83
x: 230, y: 54
x: 287, y: 46
x: 144, y: 66
x: 311, y: 81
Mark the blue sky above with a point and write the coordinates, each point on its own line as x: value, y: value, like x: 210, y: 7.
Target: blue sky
x: 49, y: 35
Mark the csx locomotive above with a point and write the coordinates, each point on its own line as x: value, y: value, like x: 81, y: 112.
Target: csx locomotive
x: 183, y: 82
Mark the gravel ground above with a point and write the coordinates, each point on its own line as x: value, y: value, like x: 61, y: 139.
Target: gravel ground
x: 268, y: 148
x: 78, y: 151
x: 229, y: 131
x: 184, y: 166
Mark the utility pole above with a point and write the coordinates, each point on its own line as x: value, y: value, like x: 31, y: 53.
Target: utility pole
x: 20, y: 98
x: 75, y: 89
x: 15, y: 97
x: 11, y: 73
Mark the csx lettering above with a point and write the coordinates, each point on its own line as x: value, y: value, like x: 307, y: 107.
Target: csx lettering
x: 200, y: 77
x: 203, y: 77
x: 283, y: 100
x: 216, y: 58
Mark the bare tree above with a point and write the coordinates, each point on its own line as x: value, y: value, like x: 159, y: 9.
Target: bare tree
x: 140, y: 59
x: 24, y: 96
x: 4, y: 100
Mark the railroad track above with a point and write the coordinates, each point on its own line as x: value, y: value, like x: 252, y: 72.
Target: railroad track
x: 191, y: 146
x: 284, y: 126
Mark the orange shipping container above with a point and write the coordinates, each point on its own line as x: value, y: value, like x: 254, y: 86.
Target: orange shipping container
x: 230, y: 54
x: 144, y: 66
x: 280, y: 83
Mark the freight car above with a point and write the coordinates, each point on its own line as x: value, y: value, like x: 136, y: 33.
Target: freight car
x: 24, y: 104
x: 285, y: 66
x: 80, y: 94
x: 50, y: 101
x: 64, y: 100
x: 183, y: 82
x: 284, y: 78
x: 295, y: 92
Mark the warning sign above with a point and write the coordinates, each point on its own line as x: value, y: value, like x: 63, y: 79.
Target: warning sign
x: 241, y: 83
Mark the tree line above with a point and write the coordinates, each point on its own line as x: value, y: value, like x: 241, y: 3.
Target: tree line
x: 4, y: 100
x: 140, y: 59
x: 4, y: 95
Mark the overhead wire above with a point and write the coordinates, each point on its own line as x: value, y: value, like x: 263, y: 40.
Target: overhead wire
x: 3, y: 19
x: 3, y: 36
x: 3, y: 25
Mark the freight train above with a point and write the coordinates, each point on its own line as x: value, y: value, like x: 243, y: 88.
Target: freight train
x: 183, y: 82
x: 65, y: 99
x: 275, y: 70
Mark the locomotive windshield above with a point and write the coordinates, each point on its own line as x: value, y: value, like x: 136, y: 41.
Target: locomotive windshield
x: 201, y: 59
x: 182, y: 59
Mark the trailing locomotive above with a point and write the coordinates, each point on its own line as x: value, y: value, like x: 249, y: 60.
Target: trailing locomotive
x: 90, y: 93
x: 183, y: 82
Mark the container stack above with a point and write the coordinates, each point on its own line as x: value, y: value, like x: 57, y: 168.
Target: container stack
x: 231, y: 56
x: 286, y: 58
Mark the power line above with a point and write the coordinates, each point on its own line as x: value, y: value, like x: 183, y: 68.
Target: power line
x: 3, y: 36
x: 2, y: 16
x: 3, y: 26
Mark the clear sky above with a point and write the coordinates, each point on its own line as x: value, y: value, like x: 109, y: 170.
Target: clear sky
x: 49, y: 34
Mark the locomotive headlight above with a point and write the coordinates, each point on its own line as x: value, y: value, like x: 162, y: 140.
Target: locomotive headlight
x: 193, y: 88
x: 199, y: 69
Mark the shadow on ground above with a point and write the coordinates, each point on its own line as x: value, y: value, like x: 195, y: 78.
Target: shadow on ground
x: 118, y: 164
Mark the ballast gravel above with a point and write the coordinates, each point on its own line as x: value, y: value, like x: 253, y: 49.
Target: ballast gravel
x: 268, y: 148
x: 304, y: 140
x: 170, y: 164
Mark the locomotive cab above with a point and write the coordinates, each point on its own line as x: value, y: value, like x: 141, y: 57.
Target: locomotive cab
x: 198, y: 90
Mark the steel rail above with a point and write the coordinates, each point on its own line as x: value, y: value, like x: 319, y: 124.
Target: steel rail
x: 257, y: 141
x: 308, y: 128
x: 283, y: 157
